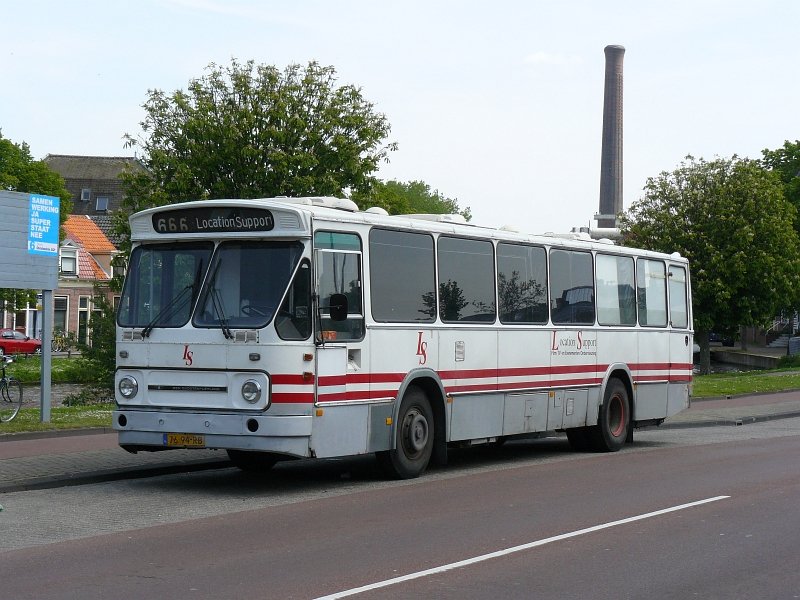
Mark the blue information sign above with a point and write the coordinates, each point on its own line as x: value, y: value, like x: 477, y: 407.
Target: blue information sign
x: 43, y: 225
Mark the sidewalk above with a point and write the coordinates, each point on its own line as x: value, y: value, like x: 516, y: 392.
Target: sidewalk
x: 36, y: 461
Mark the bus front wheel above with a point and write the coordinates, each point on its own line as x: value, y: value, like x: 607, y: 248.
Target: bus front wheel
x: 614, y: 419
x: 413, y: 437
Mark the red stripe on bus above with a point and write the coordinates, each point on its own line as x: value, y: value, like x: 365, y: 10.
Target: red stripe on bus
x: 299, y: 398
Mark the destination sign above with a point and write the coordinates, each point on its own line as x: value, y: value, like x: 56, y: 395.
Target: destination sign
x: 214, y: 219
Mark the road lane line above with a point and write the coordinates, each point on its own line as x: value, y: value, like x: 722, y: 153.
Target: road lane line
x: 514, y: 549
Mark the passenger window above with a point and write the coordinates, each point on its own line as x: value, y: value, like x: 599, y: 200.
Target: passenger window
x: 616, y: 296
x: 651, y: 292
x: 522, y: 283
x: 466, y: 281
x: 571, y: 287
x: 402, y: 278
x: 678, y: 298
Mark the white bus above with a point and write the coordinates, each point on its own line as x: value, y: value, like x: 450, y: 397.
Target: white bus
x: 286, y: 328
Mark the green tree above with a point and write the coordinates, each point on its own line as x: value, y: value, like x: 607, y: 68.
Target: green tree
x: 19, y: 172
x: 399, y: 198
x: 785, y: 162
x: 98, y: 359
x: 730, y: 218
x: 249, y: 131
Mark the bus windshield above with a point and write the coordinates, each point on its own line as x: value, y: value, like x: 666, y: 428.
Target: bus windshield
x: 162, y: 284
x: 245, y: 284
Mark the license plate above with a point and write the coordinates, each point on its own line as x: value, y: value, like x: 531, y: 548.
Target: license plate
x: 184, y: 440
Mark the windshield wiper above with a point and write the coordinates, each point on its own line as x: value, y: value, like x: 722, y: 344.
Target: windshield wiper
x: 169, y: 310
x: 216, y: 300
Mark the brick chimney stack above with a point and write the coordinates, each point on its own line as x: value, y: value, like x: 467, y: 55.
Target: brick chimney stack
x: 611, y: 156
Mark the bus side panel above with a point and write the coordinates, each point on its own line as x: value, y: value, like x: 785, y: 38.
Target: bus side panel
x: 341, y: 431
x: 524, y: 365
x: 681, y: 357
x: 652, y: 374
x: 468, y: 368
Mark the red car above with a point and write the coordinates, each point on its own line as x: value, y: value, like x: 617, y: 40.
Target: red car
x: 14, y: 342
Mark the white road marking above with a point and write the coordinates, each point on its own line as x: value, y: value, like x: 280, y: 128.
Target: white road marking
x: 514, y: 549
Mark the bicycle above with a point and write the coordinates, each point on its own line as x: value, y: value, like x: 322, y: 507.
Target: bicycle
x: 10, y: 393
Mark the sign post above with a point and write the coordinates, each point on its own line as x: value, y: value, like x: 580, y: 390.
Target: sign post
x: 29, y: 225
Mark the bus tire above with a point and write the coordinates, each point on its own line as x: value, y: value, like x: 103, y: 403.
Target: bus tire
x: 613, y: 420
x: 252, y: 461
x: 413, y: 437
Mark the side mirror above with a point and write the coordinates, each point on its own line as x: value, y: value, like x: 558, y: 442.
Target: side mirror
x: 338, y: 307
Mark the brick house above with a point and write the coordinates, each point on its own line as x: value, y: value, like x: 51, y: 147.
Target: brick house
x: 85, y: 257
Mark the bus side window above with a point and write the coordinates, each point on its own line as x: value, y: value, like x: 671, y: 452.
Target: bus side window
x: 338, y: 264
x: 651, y: 292
x: 678, y: 298
x: 571, y: 287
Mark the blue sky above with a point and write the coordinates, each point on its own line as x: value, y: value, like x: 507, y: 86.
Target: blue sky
x: 497, y: 104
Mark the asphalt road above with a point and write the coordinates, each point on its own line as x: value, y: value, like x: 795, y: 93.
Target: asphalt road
x: 529, y: 520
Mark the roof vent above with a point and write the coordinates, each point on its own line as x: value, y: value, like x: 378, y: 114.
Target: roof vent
x: 377, y: 210
x: 326, y: 201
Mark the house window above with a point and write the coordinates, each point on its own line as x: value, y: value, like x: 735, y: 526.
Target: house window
x: 102, y: 204
x: 86, y: 194
x: 84, y: 306
x: 60, y: 305
x: 69, y: 262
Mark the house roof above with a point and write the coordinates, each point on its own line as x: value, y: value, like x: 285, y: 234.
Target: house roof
x: 106, y: 225
x: 91, y: 167
x: 88, y: 235
x: 88, y: 267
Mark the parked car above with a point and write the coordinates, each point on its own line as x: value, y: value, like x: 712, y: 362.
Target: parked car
x: 14, y: 342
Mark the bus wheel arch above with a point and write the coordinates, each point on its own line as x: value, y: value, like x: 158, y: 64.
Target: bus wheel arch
x: 416, y: 432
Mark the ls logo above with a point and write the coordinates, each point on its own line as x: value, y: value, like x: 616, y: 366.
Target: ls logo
x: 187, y: 355
x: 422, y: 349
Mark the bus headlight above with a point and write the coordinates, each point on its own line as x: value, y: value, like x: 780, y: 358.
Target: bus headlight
x: 251, y: 391
x: 128, y: 387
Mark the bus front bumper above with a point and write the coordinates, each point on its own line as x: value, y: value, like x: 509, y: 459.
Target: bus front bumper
x: 161, y: 430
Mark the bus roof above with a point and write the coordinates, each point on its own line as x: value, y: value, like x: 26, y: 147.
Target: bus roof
x: 341, y: 210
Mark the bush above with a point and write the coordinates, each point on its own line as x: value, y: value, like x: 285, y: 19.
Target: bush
x: 90, y: 395
x: 789, y: 361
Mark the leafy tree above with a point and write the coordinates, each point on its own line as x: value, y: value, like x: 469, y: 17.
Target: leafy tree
x: 98, y: 359
x: 249, y: 131
x: 19, y: 172
x: 731, y: 219
x: 399, y: 198
x: 785, y: 162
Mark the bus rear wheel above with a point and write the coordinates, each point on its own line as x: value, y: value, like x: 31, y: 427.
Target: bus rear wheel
x: 613, y: 420
x: 252, y: 461
x: 413, y: 437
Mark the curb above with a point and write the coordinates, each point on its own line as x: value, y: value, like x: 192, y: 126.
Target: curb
x: 722, y: 421
x: 106, y: 475
x: 51, y: 433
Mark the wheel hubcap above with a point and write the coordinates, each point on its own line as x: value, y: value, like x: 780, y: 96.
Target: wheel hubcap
x: 415, y: 432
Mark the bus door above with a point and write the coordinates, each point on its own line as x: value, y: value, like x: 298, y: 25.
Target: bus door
x: 681, y: 340
x: 340, y: 335
x: 652, y: 373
